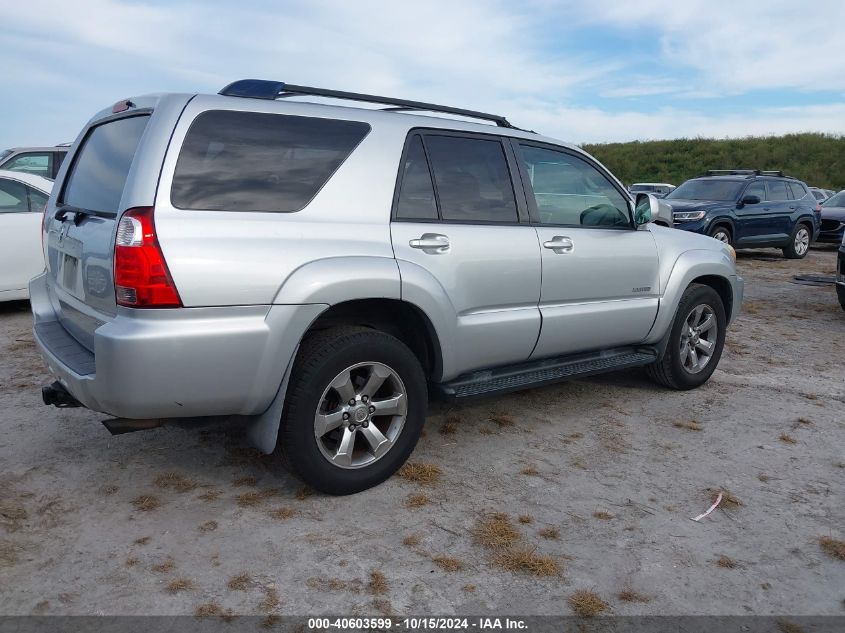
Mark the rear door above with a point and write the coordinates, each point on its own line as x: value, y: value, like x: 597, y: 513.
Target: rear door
x: 20, y: 240
x: 458, y: 219
x: 782, y: 208
x: 81, y: 227
x: 753, y: 220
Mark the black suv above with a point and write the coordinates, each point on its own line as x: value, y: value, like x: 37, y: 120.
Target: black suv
x: 749, y: 208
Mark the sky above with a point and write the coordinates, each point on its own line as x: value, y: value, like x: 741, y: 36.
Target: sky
x: 581, y: 71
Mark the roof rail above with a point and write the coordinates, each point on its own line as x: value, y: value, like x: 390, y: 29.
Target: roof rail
x: 732, y: 172
x: 771, y: 173
x: 264, y: 89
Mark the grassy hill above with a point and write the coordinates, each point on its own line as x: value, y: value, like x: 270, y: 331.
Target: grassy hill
x: 817, y: 159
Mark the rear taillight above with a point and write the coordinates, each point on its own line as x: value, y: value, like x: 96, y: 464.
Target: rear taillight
x: 141, y: 278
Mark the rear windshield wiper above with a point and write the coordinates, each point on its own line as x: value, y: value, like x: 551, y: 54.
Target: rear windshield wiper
x: 79, y: 214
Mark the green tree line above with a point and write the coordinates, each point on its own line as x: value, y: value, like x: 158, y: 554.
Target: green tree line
x: 817, y: 159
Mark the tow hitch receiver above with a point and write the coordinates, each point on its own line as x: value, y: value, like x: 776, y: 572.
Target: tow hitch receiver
x: 58, y: 396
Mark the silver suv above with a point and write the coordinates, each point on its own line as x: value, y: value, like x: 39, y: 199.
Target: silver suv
x: 319, y: 271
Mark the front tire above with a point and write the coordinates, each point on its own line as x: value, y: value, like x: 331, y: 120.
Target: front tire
x: 722, y: 233
x: 354, y: 409
x: 695, y: 341
x: 799, y: 242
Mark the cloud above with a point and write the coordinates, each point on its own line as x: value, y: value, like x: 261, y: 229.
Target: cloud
x: 543, y: 64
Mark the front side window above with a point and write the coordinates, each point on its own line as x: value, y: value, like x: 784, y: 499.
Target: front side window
x: 569, y: 190
x: 251, y: 161
x: 31, y: 163
x: 777, y: 190
x: 757, y: 188
x: 416, y: 192
x: 472, y: 179
x: 13, y: 197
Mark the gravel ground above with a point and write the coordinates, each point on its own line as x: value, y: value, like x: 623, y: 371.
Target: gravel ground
x: 594, y: 481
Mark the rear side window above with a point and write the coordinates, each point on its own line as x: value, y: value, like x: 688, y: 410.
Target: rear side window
x: 797, y: 190
x: 251, y: 161
x: 102, y: 163
x: 777, y: 190
x: 472, y: 179
x: 416, y: 193
x: 13, y: 197
x: 32, y: 163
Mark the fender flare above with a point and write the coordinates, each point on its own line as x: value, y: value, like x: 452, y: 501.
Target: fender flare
x: 334, y: 280
x: 689, y: 266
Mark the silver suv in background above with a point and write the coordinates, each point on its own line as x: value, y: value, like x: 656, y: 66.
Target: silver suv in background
x: 319, y: 271
x: 39, y: 161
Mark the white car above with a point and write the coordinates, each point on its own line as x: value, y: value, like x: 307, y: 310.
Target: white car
x: 22, y: 200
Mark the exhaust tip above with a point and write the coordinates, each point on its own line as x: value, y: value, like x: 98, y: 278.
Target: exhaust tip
x: 57, y: 396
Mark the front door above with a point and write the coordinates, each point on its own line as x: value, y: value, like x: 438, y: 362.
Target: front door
x: 463, y: 232
x: 600, y: 282
x: 20, y: 235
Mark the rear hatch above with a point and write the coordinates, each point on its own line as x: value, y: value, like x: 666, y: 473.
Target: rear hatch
x: 80, y: 223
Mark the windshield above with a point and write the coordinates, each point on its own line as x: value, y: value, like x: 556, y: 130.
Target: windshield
x: 717, y: 190
x: 836, y: 200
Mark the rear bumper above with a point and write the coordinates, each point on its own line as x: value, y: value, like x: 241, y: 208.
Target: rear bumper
x: 183, y: 362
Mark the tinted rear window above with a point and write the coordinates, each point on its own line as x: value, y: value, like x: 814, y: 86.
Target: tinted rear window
x: 715, y: 190
x: 250, y: 161
x: 102, y: 164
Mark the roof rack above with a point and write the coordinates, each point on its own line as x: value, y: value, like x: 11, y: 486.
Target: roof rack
x: 264, y: 89
x: 746, y: 172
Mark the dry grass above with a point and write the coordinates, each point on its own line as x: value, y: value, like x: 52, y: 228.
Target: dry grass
x: 502, y: 420
x: 282, y: 514
x: 690, y: 425
x: 411, y: 540
x: 146, y: 503
x: 382, y: 606
x: 208, y: 526
x: 726, y: 562
x: 421, y: 473
x: 833, y: 546
x: 752, y: 307
x: 165, y: 567
x: 763, y: 477
x: 175, y: 481
x: 180, y: 584
x: 241, y: 582
x: 526, y: 560
x: 602, y: 515
x: 530, y: 471
x: 378, y: 583
x: 729, y: 500
x: 208, y: 610
x: 447, y: 563
x: 254, y: 498
x: 495, y: 531
x: 131, y: 562
x: 108, y: 490
x: 142, y: 541
x: 786, y: 438
x: 249, y: 480
x: 450, y: 426
x: 303, y: 492
x: 210, y: 495
x: 810, y: 396
x: 629, y: 595
x: 785, y: 626
x: 550, y: 533
x: 525, y: 519
x: 271, y: 599
x: 804, y: 421
x: 417, y: 500
x: 468, y: 588
x: 271, y: 621
x: 587, y: 604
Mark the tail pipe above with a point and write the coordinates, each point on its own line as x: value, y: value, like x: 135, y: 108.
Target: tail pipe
x: 58, y: 396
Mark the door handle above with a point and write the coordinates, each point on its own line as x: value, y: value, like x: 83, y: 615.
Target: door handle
x: 431, y: 243
x: 560, y: 244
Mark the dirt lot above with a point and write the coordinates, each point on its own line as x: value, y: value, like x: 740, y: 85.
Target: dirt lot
x: 597, y: 480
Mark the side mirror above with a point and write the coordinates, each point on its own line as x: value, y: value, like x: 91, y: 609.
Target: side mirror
x: 645, y: 209
x: 750, y: 199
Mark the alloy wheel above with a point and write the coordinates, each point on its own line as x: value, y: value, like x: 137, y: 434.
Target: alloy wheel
x: 360, y: 415
x: 699, y: 334
x: 802, y: 241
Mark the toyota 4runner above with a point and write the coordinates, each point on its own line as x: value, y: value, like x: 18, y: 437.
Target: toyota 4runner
x: 318, y: 271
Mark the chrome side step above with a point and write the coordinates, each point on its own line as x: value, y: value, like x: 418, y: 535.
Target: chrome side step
x: 543, y: 372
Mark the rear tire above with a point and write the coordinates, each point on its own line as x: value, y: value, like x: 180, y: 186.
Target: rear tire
x: 799, y: 242
x: 676, y: 369
x: 369, y: 431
